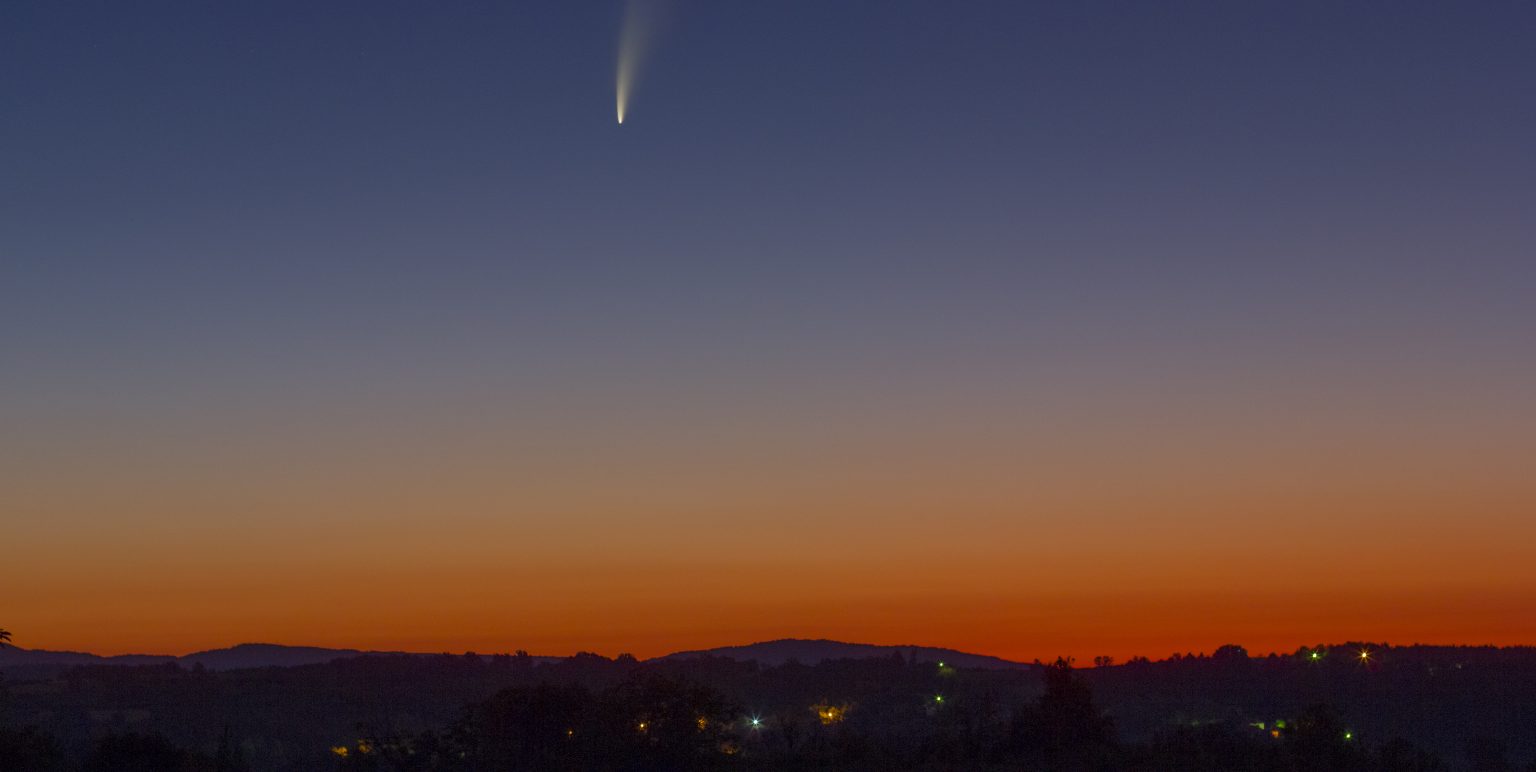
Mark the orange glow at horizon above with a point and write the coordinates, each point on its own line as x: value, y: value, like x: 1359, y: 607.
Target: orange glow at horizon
x: 1091, y: 525
x: 654, y: 609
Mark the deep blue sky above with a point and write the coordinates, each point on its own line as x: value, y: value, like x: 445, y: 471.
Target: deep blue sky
x: 304, y: 247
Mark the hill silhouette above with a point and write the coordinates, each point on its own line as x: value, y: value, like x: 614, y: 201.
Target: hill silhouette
x: 249, y: 655
x: 32, y: 663
x: 259, y: 655
x: 814, y: 651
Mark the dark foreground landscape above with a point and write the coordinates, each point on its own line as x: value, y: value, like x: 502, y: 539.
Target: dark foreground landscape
x: 784, y: 705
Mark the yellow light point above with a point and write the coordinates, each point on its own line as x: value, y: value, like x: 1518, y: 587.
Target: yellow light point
x: 340, y: 750
x: 830, y: 714
x: 1365, y: 655
x: 642, y: 726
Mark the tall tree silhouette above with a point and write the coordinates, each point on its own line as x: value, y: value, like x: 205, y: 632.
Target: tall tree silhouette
x: 1064, y: 731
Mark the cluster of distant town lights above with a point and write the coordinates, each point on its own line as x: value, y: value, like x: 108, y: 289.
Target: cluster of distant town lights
x: 834, y: 714
x: 829, y: 714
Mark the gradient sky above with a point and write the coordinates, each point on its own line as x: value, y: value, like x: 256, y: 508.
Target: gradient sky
x: 1023, y: 328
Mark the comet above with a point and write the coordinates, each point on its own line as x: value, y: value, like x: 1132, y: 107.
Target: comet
x: 635, y: 36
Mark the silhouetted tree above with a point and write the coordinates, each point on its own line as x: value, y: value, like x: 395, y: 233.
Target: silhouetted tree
x: 1230, y: 651
x: 791, y: 725
x: 229, y: 757
x: 379, y: 753
x: 1487, y: 754
x: 542, y: 727
x: 652, y: 724
x: 1318, y: 741
x: 1399, y: 755
x: 28, y: 750
x: 1208, y: 748
x: 669, y: 725
x: 1064, y: 731
x: 136, y: 753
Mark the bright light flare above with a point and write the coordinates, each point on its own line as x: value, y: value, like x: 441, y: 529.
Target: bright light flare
x: 830, y: 714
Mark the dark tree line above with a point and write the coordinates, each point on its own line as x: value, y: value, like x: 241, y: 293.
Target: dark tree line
x: 654, y: 723
x: 593, y: 713
x: 660, y: 724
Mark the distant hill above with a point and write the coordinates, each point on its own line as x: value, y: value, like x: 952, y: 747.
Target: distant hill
x: 810, y: 652
x: 245, y: 655
x: 33, y: 663
x: 40, y: 663
x: 249, y: 655
x: 11, y: 656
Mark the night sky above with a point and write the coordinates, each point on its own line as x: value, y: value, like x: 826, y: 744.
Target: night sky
x: 1022, y: 328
